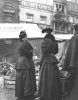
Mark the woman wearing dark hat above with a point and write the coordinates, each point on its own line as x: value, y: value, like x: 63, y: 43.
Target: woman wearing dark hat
x: 49, y: 87
x: 25, y: 86
x: 48, y: 32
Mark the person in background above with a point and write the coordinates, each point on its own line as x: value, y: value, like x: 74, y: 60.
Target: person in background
x: 49, y: 87
x: 25, y: 86
x: 71, y: 65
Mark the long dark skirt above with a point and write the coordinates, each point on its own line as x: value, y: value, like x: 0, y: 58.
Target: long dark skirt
x: 25, y: 83
x: 49, y: 83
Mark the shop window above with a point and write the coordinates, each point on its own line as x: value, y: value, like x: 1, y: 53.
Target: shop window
x: 30, y: 17
x: 43, y: 19
x: 8, y: 18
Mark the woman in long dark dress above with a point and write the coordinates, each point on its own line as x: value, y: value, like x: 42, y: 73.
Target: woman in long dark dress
x: 25, y: 86
x: 49, y: 87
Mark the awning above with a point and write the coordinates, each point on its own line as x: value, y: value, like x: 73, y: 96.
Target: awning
x: 12, y: 30
x: 63, y: 36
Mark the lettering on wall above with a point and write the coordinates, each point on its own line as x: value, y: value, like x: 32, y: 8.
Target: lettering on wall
x: 35, y: 5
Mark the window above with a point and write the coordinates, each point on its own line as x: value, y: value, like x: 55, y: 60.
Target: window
x: 60, y: 8
x: 8, y: 18
x: 30, y: 17
x: 8, y: 5
x: 43, y: 19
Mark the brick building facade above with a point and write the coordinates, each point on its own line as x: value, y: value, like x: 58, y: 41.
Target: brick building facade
x: 65, y: 15
x: 9, y: 11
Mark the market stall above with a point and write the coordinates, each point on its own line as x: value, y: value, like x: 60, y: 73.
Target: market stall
x: 9, y: 34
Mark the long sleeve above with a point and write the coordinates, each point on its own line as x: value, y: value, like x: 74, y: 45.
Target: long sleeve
x: 42, y: 59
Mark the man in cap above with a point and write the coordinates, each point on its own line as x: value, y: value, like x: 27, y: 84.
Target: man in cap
x: 71, y: 65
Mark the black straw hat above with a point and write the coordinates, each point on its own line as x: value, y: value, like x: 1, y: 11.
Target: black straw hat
x: 46, y: 30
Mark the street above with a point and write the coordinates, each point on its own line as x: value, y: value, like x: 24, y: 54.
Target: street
x: 7, y: 94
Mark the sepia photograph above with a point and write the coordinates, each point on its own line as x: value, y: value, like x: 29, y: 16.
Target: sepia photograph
x: 38, y: 50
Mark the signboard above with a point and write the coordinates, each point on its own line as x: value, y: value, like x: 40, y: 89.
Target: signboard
x: 12, y: 30
x: 35, y: 5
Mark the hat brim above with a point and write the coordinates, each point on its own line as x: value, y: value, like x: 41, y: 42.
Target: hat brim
x: 47, y: 29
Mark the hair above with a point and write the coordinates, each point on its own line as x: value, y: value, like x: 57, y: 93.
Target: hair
x: 22, y: 35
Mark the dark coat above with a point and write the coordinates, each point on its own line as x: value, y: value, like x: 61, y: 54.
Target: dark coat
x: 47, y: 47
x: 25, y: 51
x: 51, y: 36
x: 71, y: 65
x: 49, y: 82
x: 25, y: 72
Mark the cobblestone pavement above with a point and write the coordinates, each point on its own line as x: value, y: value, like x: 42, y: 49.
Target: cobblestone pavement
x: 8, y: 94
